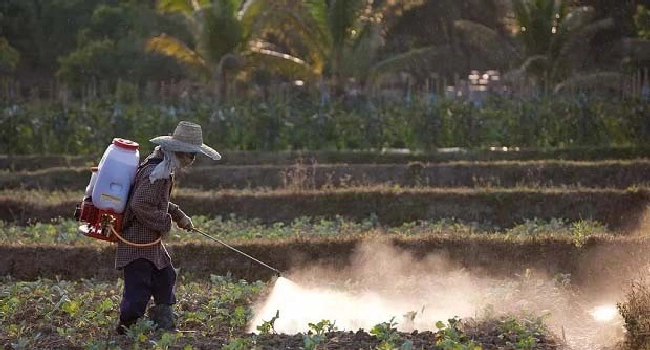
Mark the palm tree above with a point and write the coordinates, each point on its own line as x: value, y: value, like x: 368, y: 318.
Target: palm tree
x: 443, y: 48
x: 551, y: 43
x: 636, y: 50
x: 225, y: 36
x: 339, y: 39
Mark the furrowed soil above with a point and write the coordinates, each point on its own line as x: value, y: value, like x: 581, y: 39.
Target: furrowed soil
x: 496, y: 188
x: 32, y: 162
x: 487, y: 335
x: 310, y: 176
x: 618, y: 209
x: 601, y: 264
x: 598, y: 263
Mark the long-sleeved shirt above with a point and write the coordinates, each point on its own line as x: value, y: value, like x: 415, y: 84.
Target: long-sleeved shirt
x: 149, y: 215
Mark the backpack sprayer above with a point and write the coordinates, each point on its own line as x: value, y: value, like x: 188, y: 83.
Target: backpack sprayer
x: 102, y: 209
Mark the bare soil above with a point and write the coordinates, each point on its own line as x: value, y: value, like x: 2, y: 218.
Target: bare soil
x: 485, y: 334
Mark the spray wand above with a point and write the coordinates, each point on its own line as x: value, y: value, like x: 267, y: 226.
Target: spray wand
x: 277, y: 272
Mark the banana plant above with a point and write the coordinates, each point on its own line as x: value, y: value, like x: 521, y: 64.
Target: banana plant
x: 447, y: 53
x: 339, y: 39
x: 636, y: 50
x: 227, y: 38
x: 550, y: 44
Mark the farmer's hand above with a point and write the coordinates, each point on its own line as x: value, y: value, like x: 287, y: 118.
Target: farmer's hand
x: 186, y: 223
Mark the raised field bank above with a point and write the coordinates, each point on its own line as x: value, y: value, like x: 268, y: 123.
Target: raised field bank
x: 490, y: 249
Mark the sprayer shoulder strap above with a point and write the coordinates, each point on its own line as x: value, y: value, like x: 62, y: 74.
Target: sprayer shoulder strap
x: 128, y: 213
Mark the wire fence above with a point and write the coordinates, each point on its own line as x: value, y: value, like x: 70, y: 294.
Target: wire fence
x: 475, y: 87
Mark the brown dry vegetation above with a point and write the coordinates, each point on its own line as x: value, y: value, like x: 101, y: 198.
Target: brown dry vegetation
x: 618, y: 209
x: 288, y: 158
x: 305, y: 175
x: 602, y: 263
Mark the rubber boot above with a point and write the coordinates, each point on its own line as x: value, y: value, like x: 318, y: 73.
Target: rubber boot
x: 163, y: 317
x: 122, y: 327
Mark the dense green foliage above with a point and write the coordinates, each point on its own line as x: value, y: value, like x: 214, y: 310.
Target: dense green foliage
x: 110, y: 47
x: 300, y: 124
x: 83, y: 40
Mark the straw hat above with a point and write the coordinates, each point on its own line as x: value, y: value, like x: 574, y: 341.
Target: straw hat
x: 186, y: 138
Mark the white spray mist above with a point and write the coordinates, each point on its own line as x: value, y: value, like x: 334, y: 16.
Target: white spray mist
x: 385, y: 283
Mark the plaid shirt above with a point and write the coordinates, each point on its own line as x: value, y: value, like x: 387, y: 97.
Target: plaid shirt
x: 149, y: 215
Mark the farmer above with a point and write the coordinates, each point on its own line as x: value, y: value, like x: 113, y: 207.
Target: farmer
x: 149, y: 214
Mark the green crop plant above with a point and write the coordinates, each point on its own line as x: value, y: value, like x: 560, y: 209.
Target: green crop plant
x: 386, y: 333
x: 268, y: 326
x: 102, y: 345
x: 167, y: 340
x: 450, y: 336
x: 240, y: 344
x: 323, y: 326
x: 229, y: 303
x: 226, y: 304
x: 238, y: 317
x: 310, y: 342
x: 581, y: 229
x: 317, y: 332
x: 520, y: 333
x: 24, y: 343
x: 139, y: 331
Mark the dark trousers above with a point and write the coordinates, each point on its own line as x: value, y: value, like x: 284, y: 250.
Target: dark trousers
x: 142, y: 280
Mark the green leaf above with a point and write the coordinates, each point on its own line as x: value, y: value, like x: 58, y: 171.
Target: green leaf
x: 71, y: 307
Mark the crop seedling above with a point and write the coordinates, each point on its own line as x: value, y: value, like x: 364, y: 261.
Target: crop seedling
x: 166, y: 341
x: 386, y: 333
x: 450, y: 337
x: 102, y: 345
x: 579, y: 230
x: 517, y: 334
x: 311, y: 341
x: 268, y: 326
x: 322, y: 327
x: 138, y: 332
x: 240, y: 344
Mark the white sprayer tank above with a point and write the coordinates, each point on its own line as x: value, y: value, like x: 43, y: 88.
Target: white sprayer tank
x: 88, y: 193
x: 115, y: 175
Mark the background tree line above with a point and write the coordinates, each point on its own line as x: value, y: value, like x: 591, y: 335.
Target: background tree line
x: 292, y: 74
x: 255, y: 42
